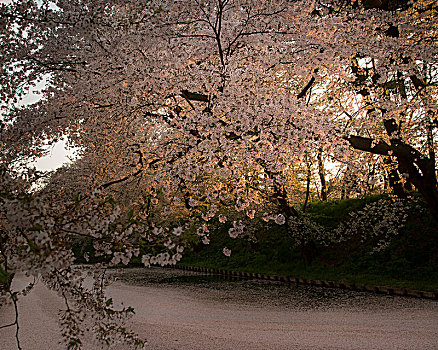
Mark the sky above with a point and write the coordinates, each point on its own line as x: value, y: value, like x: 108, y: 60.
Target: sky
x: 58, y: 154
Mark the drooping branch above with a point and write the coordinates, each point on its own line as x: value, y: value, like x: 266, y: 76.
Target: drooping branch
x: 13, y: 296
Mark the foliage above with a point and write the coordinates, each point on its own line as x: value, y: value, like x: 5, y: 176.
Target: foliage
x: 408, y: 260
x: 189, y: 113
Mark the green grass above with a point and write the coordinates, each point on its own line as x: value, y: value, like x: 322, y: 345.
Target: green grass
x: 320, y: 272
x: 410, y: 261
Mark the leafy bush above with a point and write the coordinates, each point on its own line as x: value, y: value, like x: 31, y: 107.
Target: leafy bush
x: 410, y: 257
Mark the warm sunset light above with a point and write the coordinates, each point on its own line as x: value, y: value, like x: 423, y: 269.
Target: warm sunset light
x: 225, y: 174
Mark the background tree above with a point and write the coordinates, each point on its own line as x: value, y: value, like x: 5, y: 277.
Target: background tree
x: 190, y: 106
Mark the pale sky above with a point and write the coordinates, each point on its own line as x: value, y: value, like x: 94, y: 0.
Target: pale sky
x: 58, y: 154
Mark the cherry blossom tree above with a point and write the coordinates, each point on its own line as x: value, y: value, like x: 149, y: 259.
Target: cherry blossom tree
x: 181, y: 108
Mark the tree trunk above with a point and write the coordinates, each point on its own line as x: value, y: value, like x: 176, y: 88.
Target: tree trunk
x: 419, y: 168
x: 308, y: 178
x: 394, y: 179
x: 308, y: 251
x: 321, y: 172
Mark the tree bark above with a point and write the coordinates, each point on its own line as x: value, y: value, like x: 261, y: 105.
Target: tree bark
x: 394, y: 180
x: 419, y: 168
x: 308, y: 178
x: 321, y: 172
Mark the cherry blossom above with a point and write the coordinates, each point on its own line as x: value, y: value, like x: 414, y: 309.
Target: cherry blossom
x: 226, y: 251
x: 184, y: 111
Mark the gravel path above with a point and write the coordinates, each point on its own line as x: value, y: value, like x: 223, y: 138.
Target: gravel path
x: 181, y: 310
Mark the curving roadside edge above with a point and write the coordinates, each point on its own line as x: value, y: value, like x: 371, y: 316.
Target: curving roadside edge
x: 311, y: 282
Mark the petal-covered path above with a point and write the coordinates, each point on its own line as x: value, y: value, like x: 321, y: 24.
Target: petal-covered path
x: 180, y: 310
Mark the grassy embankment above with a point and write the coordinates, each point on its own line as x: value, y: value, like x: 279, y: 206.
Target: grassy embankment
x: 410, y: 261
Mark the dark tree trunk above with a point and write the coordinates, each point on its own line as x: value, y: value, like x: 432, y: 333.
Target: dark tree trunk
x: 308, y: 178
x: 394, y: 179
x: 321, y: 172
x: 419, y: 168
x: 308, y: 251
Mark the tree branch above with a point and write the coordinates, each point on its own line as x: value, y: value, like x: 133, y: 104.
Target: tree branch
x: 306, y: 88
x: 368, y: 145
x: 194, y: 96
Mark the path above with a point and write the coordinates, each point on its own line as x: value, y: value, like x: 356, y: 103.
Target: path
x: 177, y: 310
